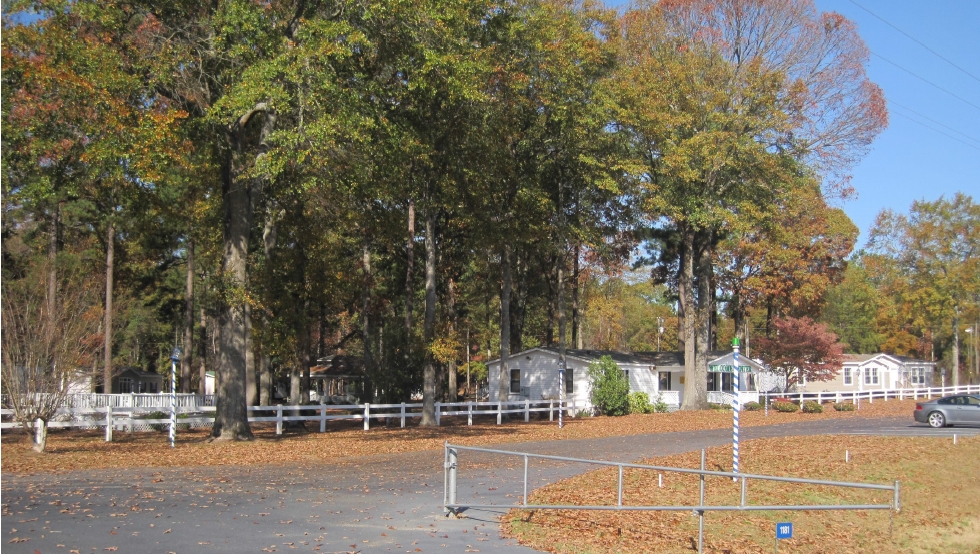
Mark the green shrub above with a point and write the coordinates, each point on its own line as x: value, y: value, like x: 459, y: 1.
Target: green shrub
x: 639, y: 403
x: 752, y: 406
x: 812, y: 407
x: 842, y: 407
x: 720, y: 407
x: 165, y: 426
x: 659, y: 406
x: 787, y: 407
x: 610, y: 388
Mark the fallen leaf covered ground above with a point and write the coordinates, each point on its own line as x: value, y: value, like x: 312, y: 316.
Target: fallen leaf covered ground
x: 72, y: 449
x: 939, y: 491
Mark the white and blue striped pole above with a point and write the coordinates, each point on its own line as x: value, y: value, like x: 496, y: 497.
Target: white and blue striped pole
x: 561, y: 391
x: 736, y: 379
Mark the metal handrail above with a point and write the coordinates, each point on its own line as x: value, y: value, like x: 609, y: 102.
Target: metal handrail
x: 451, y: 506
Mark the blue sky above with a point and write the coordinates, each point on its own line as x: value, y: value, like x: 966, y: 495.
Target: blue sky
x: 909, y: 161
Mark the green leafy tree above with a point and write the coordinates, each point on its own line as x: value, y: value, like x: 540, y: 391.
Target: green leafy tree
x: 610, y: 389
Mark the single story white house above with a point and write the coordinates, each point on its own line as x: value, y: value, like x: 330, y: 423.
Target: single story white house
x: 861, y: 372
x: 534, y: 374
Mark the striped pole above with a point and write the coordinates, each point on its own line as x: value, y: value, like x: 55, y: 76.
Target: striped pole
x: 735, y: 408
x: 173, y: 396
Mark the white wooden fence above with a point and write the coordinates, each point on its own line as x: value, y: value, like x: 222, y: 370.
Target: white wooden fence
x: 871, y: 395
x: 130, y: 418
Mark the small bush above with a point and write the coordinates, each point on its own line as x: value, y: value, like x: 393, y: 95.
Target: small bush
x: 787, y: 407
x: 639, y: 403
x: 812, y: 407
x: 752, y: 406
x: 842, y: 407
x: 720, y: 407
x: 659, y: 406
x: 165, y: 426
x: 610, y: 389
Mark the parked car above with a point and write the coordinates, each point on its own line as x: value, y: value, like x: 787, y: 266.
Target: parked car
x: 957, y: 409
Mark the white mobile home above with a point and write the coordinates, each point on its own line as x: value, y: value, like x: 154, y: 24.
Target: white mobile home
x: 534, y: 374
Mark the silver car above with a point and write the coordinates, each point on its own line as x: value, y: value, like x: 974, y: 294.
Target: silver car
x: 958, y: 409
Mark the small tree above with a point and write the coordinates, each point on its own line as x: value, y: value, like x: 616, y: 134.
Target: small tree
x: 801, y: 348
x: 610, y: 388
x: 42, y: 351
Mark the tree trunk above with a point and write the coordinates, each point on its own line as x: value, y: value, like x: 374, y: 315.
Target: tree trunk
x: 451, y: 308
x: 366, y: 306
x: 429, y: 372
x: 576, y: 316
x: 561, y: 321
x: 518, y: 306
x: 702, y: 318
x: 695, y: 387
x: 110, y: 251
x: 203, y: 354
x: 51, y: 299
x: 409, y: 277
x: 187, y: 360
x: 231, y: 413
x: 956, y: 350
x: 251, y: 391
x: 269, y: 237
x: 505, y: 290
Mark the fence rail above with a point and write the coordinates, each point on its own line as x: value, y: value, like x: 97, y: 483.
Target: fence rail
x: 132, y: 418
x: 871, y: 395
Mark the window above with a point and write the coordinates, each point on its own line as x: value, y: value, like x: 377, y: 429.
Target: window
x: 848, y: 378
x: 569, y: 382
x: 871, y: 376
x: 664, y: 380
x: 515, y: 381
x: 626, y: 373
x: 153, y: 387
x: 125, y: 385
x: 918, y: 376
x: 727, y: 382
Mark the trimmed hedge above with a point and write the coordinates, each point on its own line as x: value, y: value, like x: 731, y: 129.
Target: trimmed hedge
x: 787, y: 407
x: 752, y: 406
x: 812, y: 407
x: 842, y: 407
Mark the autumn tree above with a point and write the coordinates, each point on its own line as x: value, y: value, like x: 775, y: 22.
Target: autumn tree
x: 801, y: 350
x: 931, y: 255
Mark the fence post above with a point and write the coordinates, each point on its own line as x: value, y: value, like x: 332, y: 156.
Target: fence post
x: 367, y: 416
x: 437, y: 413
x: 108, y: 424
x: 403, y: 415
x: 551, y: 410
x: 451, y: 466
x: 500, y: 415
x: 278, y: 419
x: 819, y: 398
x: 527, y: 409
x: 323, y: 418
x: 469, y: 413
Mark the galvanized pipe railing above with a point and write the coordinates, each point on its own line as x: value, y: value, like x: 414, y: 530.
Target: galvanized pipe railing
x: 451, y: 506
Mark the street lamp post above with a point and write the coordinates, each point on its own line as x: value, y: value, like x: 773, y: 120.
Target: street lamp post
x: 660, y: 331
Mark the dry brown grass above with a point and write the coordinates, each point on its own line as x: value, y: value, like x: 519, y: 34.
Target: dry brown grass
x: 74, y: 450
x: 939, y: 496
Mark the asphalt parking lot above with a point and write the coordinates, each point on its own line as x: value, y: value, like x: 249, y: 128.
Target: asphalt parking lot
x: 385, y: 503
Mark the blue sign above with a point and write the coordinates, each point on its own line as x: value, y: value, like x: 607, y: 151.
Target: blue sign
x: 784, y: 530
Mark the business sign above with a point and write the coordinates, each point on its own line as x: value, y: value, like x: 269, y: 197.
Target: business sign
x: 784, y: 530
x: 729, y: 369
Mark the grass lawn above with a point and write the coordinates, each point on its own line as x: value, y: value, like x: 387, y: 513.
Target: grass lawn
x: 69, y: 450
x: 940, y: 496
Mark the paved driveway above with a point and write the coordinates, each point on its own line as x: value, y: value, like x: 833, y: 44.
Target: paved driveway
x: 385, y: 503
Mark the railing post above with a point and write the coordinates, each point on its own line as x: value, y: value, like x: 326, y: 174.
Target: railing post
x: 403, y: 415
x: 438, y: 410
x: 898, y: 505
x: 469, y: 413
x: 701, y: 511
x: 367, y: 416
x: 743, y: 492
x: 323, y: 418
x: 525, y: 479
x: 278, y: 419
x: 108, y: 424
x: 500, y: 415
x: 451, y: 466
x: 619, y: 491
x: 527, y: 410
x: 551, y: 410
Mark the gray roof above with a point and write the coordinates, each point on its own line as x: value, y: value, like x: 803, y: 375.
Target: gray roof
x: 659, y: 359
